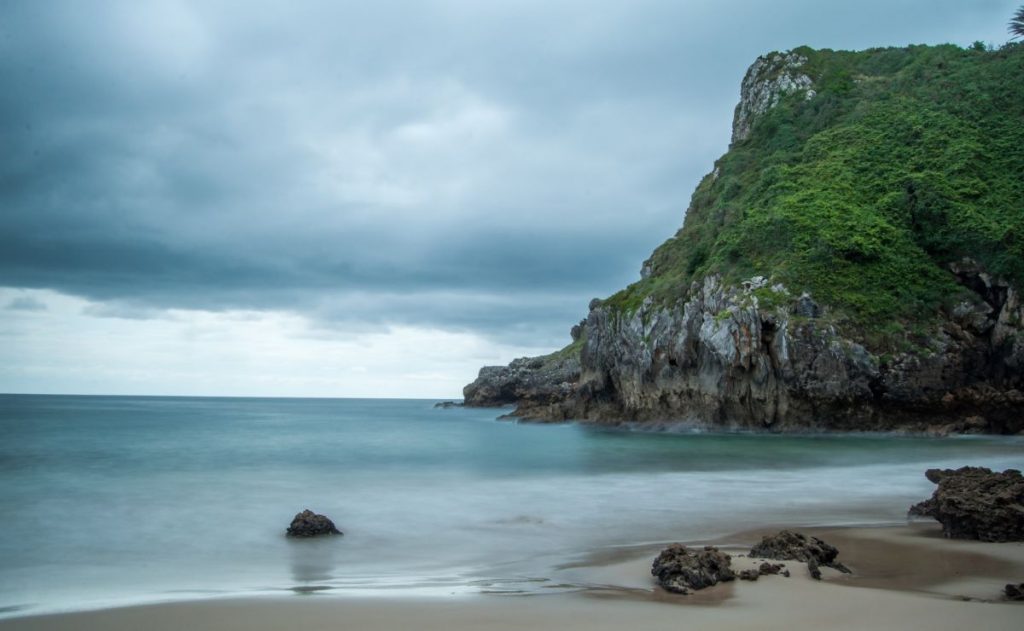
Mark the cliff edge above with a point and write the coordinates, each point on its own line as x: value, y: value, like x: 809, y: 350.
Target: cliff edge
x: 853, y: 262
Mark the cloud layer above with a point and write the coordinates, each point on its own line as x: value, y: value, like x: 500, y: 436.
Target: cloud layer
x: 478, y: 168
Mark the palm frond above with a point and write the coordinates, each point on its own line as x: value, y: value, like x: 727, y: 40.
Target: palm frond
x: 1016, y: 26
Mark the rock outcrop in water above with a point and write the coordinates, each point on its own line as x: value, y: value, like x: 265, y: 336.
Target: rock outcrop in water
x: 530, y: 382
x: 783, y: 305
x: 309, y: 524
x: 976, y: 503
x: 680, y: 569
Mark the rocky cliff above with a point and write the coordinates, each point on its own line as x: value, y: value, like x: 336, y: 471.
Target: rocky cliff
x: 853, y: 263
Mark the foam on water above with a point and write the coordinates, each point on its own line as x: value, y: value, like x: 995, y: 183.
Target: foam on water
x: 121, y: 499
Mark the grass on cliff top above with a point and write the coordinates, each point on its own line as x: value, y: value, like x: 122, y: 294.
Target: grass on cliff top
x: 571, y: 350
x: 906, y: 160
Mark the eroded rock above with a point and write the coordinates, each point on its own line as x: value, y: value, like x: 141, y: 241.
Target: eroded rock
x: 976, y: 503
x: 681, y: 569
x: 795, y: 546
x: 309, y: 524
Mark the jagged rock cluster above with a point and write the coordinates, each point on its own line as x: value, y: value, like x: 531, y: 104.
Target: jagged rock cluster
x: 680, y: 569
x: 795, y: 546
x: 976, y: 503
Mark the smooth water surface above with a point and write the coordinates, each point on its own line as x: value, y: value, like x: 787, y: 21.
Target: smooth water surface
x: 110, y: 500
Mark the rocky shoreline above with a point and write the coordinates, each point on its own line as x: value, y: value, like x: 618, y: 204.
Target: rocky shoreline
x: 723, y: 359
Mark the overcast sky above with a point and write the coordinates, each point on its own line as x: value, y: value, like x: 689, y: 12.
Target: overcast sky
x: 361, y: 198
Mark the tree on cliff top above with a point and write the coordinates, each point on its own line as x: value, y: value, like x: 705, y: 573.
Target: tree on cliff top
x: 1017, y: 24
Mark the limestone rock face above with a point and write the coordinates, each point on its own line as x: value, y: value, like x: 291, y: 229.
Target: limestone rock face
x: 717, y: 359
x: 976, y: 503
x: 309, y: 524
x: 756, y: 356
x: 767, y: 80
x: 681, y: 570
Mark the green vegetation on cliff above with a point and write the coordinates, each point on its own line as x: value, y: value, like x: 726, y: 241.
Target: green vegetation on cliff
x: 903, y: 161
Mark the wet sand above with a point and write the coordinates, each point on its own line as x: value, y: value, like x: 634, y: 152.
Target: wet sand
x: 903, y: 578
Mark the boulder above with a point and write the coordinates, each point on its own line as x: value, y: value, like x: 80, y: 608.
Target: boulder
x: 976, y: 503
x: 1014, y: 592
x: 681, y: 570
x: 309, y: 524
x: 795, y: 546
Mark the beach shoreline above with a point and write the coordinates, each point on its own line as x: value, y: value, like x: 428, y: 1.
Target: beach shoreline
x: 905, y: 577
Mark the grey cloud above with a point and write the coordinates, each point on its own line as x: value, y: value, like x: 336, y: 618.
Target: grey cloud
x: 381, y: 163
x: 26, y: 303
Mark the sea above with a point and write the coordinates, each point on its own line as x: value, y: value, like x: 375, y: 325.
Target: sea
x: 111, y: 501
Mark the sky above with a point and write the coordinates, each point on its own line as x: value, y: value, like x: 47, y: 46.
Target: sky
x: 361, y: 199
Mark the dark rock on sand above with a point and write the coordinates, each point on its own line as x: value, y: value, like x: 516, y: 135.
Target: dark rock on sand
x: 976, y: 503
x: 309, y: 524
x: 763, y: 570
x: 749, y: 575
x: 770, y: 568
x: 681, y: 570
x: 1014, y: 592
x: 795, y: 546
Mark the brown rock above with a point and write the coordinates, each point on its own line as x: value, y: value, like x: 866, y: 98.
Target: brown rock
x: 976, y: 503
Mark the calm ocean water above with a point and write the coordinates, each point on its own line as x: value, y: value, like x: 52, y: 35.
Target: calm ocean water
x: 110, y: 500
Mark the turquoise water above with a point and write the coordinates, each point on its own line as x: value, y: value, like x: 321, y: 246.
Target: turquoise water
x: 109, y: 500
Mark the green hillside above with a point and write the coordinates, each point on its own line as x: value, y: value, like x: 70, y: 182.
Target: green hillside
x: 905, y: 160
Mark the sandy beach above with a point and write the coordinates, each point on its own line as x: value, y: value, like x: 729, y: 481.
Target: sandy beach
x: 905, y: 577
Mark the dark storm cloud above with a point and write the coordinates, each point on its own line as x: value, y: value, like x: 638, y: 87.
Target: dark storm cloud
x: 480, y: 166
